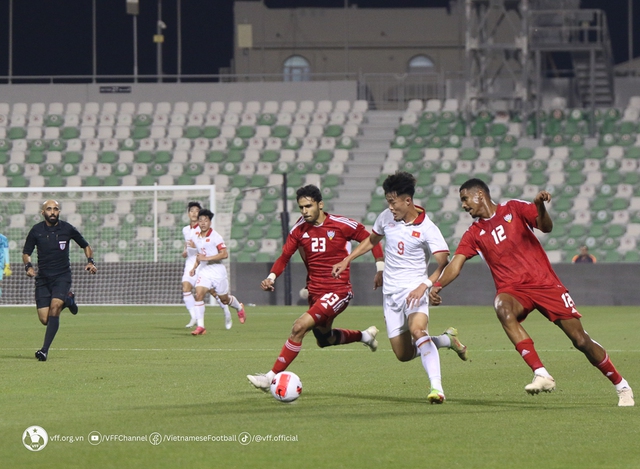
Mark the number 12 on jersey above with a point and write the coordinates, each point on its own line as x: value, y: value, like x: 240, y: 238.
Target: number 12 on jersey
x: 499, y: 234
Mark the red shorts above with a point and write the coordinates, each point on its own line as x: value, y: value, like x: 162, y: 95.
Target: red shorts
x: 553, y: 302
x: 326, y: 306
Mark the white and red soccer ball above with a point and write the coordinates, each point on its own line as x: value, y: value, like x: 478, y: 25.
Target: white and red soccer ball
x: 286, y: 386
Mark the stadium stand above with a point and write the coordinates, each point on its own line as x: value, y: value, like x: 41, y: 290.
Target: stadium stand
x: 344, y: 148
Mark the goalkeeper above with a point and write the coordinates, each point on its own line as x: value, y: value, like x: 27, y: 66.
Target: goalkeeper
x: 52, y: 238
x: 4, y: 258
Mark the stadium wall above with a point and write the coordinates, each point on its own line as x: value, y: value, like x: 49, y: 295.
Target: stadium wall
x: 174, y: 92
x: 149, y: 283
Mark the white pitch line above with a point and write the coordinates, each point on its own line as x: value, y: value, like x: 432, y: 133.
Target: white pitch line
x: 309, y: 349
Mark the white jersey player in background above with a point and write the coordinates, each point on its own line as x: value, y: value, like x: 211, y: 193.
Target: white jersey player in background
x: 190, y: 252
x: 211, y: 273
x: 411, y: 238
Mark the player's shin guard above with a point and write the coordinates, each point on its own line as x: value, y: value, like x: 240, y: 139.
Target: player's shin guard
x: 607, y: 369
x: 430, y: 360
x: 289, y: 352
x: 189, y: 302
x: 198, y: 309
x: 528, y: 353
x: 53, y: 323
x: 234, y: 303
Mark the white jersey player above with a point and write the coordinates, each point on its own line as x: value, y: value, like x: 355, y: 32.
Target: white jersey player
x: 211, y: 274
x: 189, y: 254
x: 411, y: 238
x: 190, y: 232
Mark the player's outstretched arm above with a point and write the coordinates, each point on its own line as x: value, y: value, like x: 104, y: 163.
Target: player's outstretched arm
x: 365, y: 246
x: 449, y: 274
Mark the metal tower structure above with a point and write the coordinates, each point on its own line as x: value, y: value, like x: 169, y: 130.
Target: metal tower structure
x: 497, y: 52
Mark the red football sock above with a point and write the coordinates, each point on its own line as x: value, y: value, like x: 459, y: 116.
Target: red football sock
x: 289, y: 352
x: 607, y: 369
x: 528, y: 353
x: 348, y: 336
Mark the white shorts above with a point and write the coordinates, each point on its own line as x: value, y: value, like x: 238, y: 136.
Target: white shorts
x: 186, y: 277
x: 396, y: 311
x: 215, y: 282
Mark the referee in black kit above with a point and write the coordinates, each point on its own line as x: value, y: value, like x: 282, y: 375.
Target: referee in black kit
x: 53, y: 281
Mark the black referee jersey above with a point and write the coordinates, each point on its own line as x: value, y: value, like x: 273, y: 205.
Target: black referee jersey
x: 53, y: 246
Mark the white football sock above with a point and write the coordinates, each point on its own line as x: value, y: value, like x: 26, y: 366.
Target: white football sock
x: 441, y: 341
x: 189, y: 302
x: 199, y: 312
x: 234, y: 303
x: 430, y: 361
x: 542, y: 372
x: 622, y: 384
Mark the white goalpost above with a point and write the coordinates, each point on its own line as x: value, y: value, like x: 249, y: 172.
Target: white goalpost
x: 134, y: 231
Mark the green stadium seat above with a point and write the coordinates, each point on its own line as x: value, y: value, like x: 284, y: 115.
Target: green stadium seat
x: 424, y: 129
x: 92, y: 181
x: 270, y: 156
x: 266, y: 119
x: 211, y: 132
x: 442, y: 129
x: 140, y: 132
x: 280, y: 131
x: 239, y: 181
x: 185, y: 180
x: 53, y: 120
x: 404, y: 130
x: 56, y: 181
x: 478, y: 129
x: 111, y: 157
x: 144, y: 156
x: 17, y: 133
x: 121, y: 169
x: 333, y: 130
x: 436, y: 142
x: 156, y: 170
x: 35, y: 157
x: 193, y: 169
x: 67, y: 133
x: 245, y: 132
x: 18, y: 181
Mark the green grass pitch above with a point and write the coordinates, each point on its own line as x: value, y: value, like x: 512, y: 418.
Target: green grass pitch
x: 129, y: 372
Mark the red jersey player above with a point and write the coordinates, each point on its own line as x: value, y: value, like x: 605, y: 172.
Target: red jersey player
x: 321, y: 239
x: 503, y: 235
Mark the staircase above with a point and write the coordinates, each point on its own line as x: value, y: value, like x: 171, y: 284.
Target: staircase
x: 603, y: 79
x: 364, y: 167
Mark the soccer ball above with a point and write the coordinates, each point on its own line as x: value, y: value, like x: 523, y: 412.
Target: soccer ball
x: 286, y: 386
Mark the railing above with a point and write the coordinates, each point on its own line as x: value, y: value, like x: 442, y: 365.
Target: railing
x: 549, y: 28
x: 392, y: 91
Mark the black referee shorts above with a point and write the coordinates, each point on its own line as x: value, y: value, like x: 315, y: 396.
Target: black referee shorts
x: 48, y: 288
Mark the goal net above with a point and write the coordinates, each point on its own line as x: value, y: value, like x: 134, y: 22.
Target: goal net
x: 135, y: 233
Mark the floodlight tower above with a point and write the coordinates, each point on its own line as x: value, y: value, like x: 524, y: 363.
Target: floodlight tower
x: 497, y: 53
